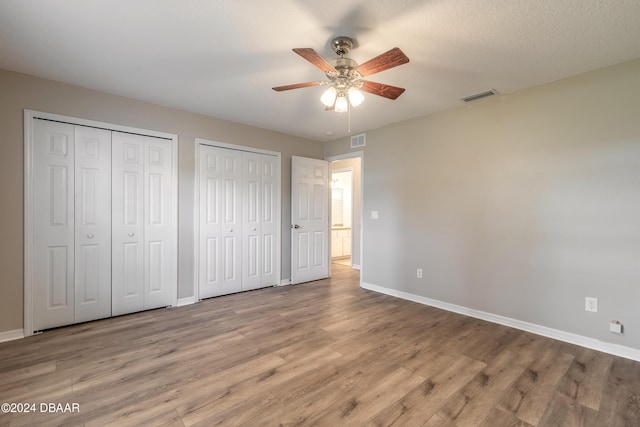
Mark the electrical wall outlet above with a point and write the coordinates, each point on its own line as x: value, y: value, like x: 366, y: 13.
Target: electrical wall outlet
x: 419, y: 273
x: 591, y: 304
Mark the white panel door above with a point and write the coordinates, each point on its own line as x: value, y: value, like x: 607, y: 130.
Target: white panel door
x: 252, y: 244
x: 127, y: 223
x: 92, y: 223
x: 260, y: 251
x: 270, y: 221
x: 220, y: 221
x: 158, y: 276
x: 53, y: 224
x: 309, y: 219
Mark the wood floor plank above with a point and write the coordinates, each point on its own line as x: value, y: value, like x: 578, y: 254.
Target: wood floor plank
x: 152, y: 417
x: 438, y: 421
x: 325, y: 353
x: 30, y: 371
x: 326, y: 387
x: 474, y: 402
x: 360, y: 405
x: 232, y: 400
x: 563, y: 411
x: 586, y: 378
x: 444, y: 377
x: 500, y: 418
x: 528, y: 398
x: 622, y: 405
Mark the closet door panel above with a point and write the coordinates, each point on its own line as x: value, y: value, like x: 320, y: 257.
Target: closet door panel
x: 157, y: 227
x: 92, y: 223
x: 232, y: 220
x: 270, y: 270
x: 53, y: 224
x: 220, y: 222
x: 251, y: 220
x: 210, y: 226
x: 127, y: 223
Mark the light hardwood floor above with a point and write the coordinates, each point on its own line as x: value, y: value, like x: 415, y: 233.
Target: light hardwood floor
x: 326, y: 353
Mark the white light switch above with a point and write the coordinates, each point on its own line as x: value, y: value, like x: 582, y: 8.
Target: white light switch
x: 374, y: 214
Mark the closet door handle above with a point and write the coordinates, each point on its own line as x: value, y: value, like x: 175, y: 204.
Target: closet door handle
x: 89, y: 236
x: 254, y: 229
x: 231, y: 230
x: 132, y: 234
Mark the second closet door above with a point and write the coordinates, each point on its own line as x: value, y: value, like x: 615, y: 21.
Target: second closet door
x: 141, y: 223
x: 220, y: 221
x: 238, y: 241
x: 259, y: 226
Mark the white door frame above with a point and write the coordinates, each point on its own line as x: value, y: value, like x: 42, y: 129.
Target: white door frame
x: 29, y: 117
x: 352, y: 155
x: 196, y: 196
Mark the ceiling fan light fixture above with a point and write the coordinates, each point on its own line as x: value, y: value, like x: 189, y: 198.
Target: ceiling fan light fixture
x: 355, y: 96
x: 328, y: 98
x: 344, y: 75
x: 342, y: 105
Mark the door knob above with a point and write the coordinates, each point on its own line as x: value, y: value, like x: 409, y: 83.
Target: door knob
x: 296, y: 226
x: 89, y: 236
x: 231, y: 230
x: 254, y: 229
x: 132, y: 234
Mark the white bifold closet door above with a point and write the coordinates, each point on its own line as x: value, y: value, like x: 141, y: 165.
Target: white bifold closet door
x: 101, y: 223
x: 238, y: 245
x: 72, y: 224
x: 141, y: 264
x: 259, y: 216
x: 220, y: 221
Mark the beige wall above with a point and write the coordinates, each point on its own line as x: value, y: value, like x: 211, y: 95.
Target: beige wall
x: 520, y: 206
x: 19, y: 92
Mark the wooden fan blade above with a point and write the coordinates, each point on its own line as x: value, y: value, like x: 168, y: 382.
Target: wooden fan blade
x: 295, y: 86
x: 315, y: 58
x: 389, y: 59
x: 391, y: 92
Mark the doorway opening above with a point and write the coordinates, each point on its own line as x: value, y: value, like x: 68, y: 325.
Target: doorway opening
x: 346, y: 217
x: 341, y: 215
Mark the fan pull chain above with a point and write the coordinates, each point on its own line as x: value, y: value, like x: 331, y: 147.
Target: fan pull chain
x: 349, y: 119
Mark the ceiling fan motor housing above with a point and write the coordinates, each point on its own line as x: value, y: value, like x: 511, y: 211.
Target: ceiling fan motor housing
x: 343, y: 65
x: 342, y: 45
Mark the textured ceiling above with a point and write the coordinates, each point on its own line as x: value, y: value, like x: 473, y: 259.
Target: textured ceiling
x: 221, y: 58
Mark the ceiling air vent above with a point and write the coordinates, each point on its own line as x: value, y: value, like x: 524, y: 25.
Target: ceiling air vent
x: 358, y: 140
x: 477, y: 96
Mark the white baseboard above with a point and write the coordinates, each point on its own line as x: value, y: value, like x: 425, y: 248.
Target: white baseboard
x: 187, y: 301
x: 592, y: 343
x: 11, y: 335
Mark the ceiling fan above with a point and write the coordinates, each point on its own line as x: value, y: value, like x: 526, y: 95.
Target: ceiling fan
x: 344, y: 75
